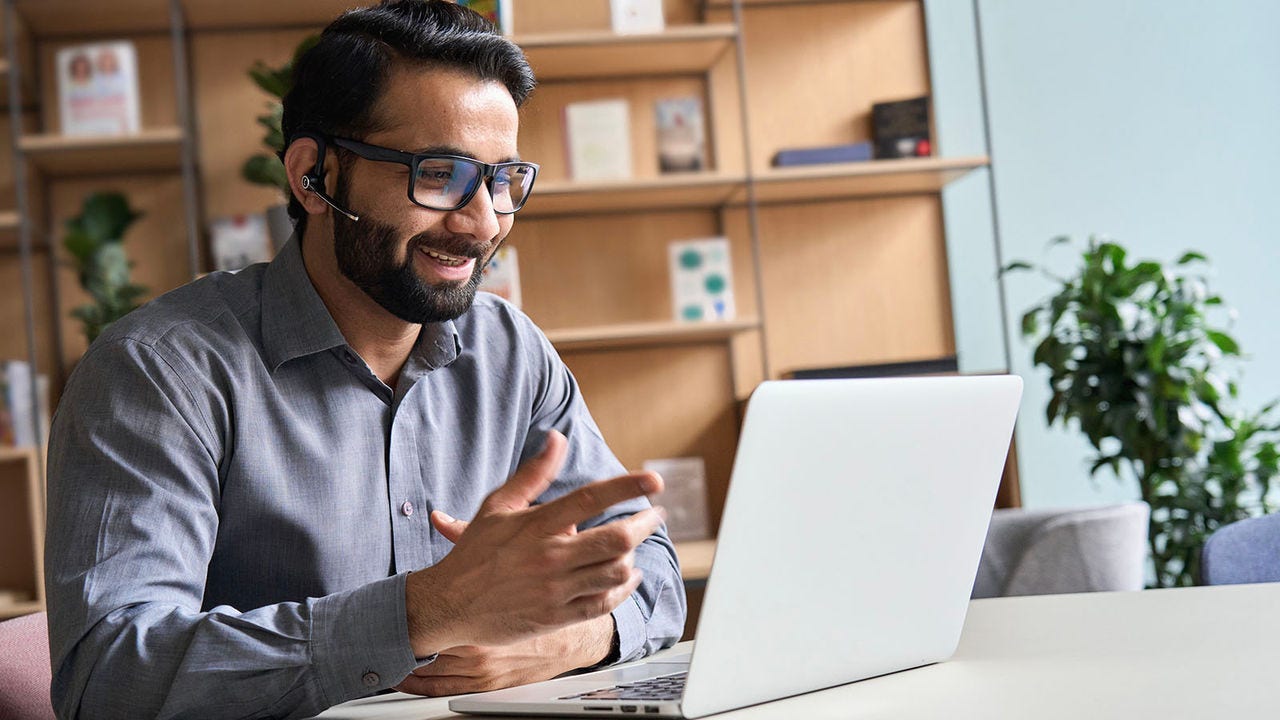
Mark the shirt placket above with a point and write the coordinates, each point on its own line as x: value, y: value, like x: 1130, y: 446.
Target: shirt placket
x: 409, y: 507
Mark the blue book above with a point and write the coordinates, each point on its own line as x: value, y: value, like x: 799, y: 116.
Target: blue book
x: 855, y: 152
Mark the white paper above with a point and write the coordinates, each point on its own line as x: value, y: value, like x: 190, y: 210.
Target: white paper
x: 636, y: 16
x: 598, y: 139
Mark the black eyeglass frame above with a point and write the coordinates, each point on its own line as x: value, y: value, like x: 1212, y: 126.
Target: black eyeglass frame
x: 413, y: 160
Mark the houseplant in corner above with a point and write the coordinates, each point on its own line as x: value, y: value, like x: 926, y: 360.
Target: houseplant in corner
x: 95, y: 241
x: 267, y: 169
x: 1137, y: 363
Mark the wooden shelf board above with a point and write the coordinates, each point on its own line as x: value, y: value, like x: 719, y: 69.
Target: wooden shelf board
x: 151, y: 149
x: 648, y: 334
x: 682, y: 49
x: 861, y: 179
x: 695, y: 558
x: 681, y: 190
x: 64, y: 18
x: 15, y: 454
x: 237, y: 14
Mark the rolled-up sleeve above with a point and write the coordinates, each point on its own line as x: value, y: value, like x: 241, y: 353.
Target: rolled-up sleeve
x: 133, y: 517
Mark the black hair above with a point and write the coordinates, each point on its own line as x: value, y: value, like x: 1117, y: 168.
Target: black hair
x: 337, y: 83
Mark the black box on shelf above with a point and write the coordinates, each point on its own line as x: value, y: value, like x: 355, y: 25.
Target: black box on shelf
x: 901, y: 128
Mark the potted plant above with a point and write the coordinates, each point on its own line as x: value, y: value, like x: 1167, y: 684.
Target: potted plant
x: 266, y: 168
x: 95, y: 241
x: 1137, y: 363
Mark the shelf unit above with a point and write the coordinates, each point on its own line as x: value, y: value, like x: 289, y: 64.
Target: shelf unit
x: 833, y: 265
x: 21, y: 533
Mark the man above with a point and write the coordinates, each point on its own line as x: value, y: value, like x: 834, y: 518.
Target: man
x: 253, y: 480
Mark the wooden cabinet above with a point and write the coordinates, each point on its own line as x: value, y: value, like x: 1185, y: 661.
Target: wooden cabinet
x: 834, y: 265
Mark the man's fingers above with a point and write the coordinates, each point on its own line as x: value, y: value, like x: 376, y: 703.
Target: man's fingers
x: 594, y: 606
x: 614, y: 539
x: 448, y: 526
x: 532, y: 479
x: 593, y: 499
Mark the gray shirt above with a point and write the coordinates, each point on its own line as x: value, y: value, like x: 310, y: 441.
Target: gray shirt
x: 235, y: 499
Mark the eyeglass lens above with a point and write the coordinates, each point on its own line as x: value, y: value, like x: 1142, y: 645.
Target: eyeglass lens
x: 444, y: 182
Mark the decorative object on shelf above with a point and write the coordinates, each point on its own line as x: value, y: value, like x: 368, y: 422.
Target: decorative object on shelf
x: 901, y: 128
x: 498, y: 12
x: 239, y: 241
x: 598, y: 138
x: 636, y: 16
x: 681, y: 134
x: 701, y: 280
x: 267, y: 169
x: 1136, y: 361
x: 852, y: 152
x: 684, y: 496
x: 502, y: 275
x: 98, y: 89
x: 24, y: 420
x: 95, y: 240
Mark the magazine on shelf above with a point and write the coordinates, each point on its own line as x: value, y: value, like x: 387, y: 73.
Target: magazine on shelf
x: 598, y: 139
x: 701, y: 280
x: 239, y: 241
x: 502, y: 275
x: 20, y: 411
x: 636, y: 16
x: 98, y: 89
x: 681, y: 137
x: 684, y: 495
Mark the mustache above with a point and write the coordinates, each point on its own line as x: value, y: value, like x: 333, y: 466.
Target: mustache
x: 451, y: 245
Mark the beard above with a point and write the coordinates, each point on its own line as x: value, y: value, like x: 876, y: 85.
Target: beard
x: 366, y: 252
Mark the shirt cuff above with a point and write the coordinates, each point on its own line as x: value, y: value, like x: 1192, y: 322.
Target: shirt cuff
x: 360, y: 640
x: 633, y: 634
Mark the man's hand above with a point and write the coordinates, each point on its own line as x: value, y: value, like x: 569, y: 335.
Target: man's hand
x: 471, y: 669
x: 519, y: 571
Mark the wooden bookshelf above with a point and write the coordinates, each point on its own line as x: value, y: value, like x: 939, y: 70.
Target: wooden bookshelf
x: 707, y: 190
x: 21, y: 533
x: 155, y: 149
x: 874, y: 178
x: 677, y: 50
x: 695, y: 558
x: 648, y: 334
x: 77, y: 18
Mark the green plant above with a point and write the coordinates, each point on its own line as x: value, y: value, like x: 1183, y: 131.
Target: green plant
x: 1136, y: 361
x: 95, y: 241
x: 267, y: 169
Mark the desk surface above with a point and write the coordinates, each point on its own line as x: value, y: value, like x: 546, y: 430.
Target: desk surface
x: 1187, y: 653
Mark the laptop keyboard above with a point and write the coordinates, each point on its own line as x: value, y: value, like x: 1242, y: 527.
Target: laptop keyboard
x: 663, y: 687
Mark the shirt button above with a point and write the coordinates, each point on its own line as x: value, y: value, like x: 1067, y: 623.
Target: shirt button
x: 371, y: 679
x: 407, y: 508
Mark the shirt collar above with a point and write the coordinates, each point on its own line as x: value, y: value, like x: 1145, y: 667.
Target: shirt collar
x: 296, y: 323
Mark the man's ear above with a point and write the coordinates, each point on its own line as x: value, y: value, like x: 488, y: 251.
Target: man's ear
x: 300, y: 160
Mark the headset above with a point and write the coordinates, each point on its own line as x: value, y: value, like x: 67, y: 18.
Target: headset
x: 313, y: 182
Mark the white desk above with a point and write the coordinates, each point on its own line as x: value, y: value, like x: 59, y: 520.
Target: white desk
x: 1189, y: 653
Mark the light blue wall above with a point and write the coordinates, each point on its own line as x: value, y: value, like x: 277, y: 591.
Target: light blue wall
x: 1154, y: 121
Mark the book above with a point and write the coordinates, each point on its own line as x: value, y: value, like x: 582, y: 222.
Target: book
x: 701, y: 280
x: 98, y: 89
x: 24, y: 414
x: 901, y: 128
x: 636, y: 16
x: 598, y: 139
x: 684, y: 495
x: 502, y: 275
x: 498, y: 12
x: 239, y: 241
x: 681, y: 136
x: 853, y: 152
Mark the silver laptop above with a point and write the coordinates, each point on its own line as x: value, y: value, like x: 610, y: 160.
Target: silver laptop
x: 848, y: 548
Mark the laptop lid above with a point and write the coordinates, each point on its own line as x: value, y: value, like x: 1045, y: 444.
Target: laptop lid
x: 850, y: 538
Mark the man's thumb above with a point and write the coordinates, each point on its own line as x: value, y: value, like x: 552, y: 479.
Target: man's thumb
x: 451, y: 528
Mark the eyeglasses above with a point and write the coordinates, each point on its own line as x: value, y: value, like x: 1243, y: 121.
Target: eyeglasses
x: 448, y: 182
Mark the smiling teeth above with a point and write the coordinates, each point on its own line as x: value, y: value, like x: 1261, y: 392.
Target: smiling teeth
x: 446, y: 259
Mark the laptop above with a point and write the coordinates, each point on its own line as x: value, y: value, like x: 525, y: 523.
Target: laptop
x: 848, y: 547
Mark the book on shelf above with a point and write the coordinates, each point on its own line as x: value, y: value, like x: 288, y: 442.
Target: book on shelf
x: 498, y: 12
x: 239, y: 241
x: 631, y: 17
x: 598, y: 139
x: 681, y: 134
x: 701, y: 280
x: 852, y: 152
x: 22, y: 413
x: 901, y: 128
x: 684, y: 495
x: 502, y: 275
x: 98, y: 89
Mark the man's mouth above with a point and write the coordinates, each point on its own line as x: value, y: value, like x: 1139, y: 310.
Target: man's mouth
x: 443, y: 259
